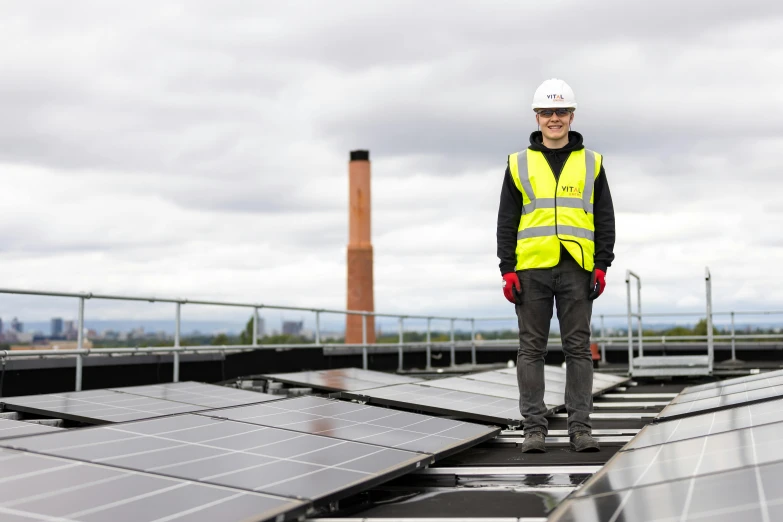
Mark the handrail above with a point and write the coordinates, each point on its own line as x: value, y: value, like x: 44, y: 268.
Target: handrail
x: 628, y: 275
x: 177, y: 349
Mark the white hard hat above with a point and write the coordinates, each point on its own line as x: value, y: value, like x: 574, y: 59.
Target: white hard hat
x: 554, y: 93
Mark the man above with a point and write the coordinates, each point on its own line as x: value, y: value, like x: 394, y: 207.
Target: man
x: 555, y: 242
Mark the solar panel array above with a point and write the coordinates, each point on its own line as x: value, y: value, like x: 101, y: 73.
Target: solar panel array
x: 342, y: 379
x: 362, y: 423
x: 134, y: 403
x: 721, y: 466
x: 722, y: 395
x: 491, y: 396
x: 232, y: 454
x: 269, y: 460
x: 38, y: 487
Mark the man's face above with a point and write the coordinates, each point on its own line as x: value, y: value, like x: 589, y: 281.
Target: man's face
x: 554, y: 126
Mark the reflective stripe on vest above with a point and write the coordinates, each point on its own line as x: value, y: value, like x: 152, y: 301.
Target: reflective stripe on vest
x: 555, y: 212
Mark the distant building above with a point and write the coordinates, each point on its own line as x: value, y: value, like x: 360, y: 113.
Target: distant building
x: 16, y: 326
x: 261, y: 327
x: 69, y: 330
x: 57, y: 327
x: 292, y: 327
x: 1, y: 326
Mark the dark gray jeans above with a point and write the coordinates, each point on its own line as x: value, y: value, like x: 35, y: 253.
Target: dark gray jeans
x: 566, y: 285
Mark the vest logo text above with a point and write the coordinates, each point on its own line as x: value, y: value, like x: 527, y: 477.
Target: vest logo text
x: 571, y: 191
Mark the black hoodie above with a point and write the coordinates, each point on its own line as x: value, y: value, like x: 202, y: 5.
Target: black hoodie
x: 510, y: 210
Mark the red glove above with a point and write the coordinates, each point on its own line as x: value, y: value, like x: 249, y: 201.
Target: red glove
x: 597, y: 284
x: 510, y: 282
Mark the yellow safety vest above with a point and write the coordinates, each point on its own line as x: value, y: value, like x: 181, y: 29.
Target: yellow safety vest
x: 555, y: 213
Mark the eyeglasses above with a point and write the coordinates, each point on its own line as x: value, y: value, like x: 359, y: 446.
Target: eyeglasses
x: 547, y: 113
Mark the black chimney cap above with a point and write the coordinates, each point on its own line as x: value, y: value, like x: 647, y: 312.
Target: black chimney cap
x: 360, y: 155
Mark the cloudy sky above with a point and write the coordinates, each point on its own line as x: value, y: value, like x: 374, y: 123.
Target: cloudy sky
x: 200, y: 149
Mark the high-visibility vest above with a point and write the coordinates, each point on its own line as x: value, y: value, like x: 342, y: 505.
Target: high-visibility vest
x: 555, y: 212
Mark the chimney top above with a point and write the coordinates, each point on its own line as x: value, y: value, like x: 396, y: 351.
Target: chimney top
x: 360, y: 155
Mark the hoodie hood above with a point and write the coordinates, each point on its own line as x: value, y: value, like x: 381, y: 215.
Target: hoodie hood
x: 574, y: 142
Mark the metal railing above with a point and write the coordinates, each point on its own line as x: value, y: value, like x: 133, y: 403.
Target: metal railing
x: 472, y: 344
x: 80, y: 352
x: 631, y: 315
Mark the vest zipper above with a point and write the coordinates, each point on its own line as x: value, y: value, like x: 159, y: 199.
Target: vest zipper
x: 557, y: 182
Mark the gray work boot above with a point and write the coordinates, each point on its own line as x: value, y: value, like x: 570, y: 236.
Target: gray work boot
x: 534, y: 442
x: 583, y: 441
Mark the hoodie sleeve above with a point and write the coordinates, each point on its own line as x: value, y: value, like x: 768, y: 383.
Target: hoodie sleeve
x: 509, y: 214
x: 603, y: 218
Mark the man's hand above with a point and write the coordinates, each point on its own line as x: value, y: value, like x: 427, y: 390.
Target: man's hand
x: 597, y: 284
x: 512, y: 289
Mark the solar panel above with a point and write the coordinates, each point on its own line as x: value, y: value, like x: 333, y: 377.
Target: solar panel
x: 731, y: 382
x: 699, y: 406
x: 510, y: 379
x: 14, y: 428
x: 485, y: 408
x: 95, y: 406
x: 552, y: 399
x: 709, y: 423
x: 363, y: 423
x: 199, y: 394
x: 688, y: 458
x: 752, y: 493
x: 342, y: 379
x: 232, y: 454
x: 38, y: 487
x: 556, y: 374
x: 759, y: 384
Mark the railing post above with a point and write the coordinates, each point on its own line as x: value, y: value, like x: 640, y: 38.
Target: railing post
x: 710, y: 339
x: 399, y: 347
x: 317, y: 327
x: 176, y: 342
x: 603, y: 343
x: 80, y: 346
x: 429, y: 344
x: 630, y: 325
x: 473, y: 341
x: 639, y: 317
x: 733, y: 359
x: 453, y: 347
x: 255, y: 326
x: 364, y: 341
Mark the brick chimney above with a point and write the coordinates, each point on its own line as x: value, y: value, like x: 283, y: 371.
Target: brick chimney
x: 360, y: 259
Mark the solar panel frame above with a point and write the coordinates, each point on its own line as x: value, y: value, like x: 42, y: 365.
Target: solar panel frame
x: 192, y: 447
x: 10, y: 428
x: 81, y: 486
x: 198, y: 394
x: 363, y: 423
x: 86, y: 406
